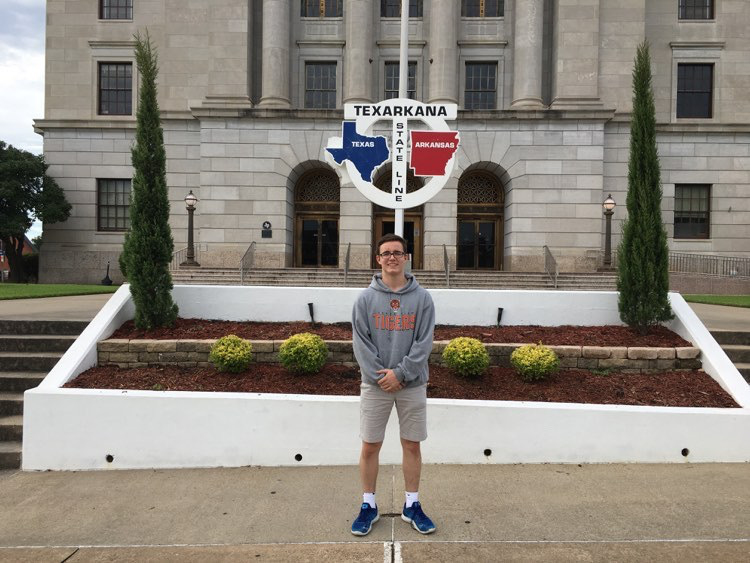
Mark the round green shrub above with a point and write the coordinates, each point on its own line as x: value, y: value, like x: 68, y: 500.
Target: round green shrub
x: 231, y: 353
x: 534, y: 361
x: 466, y: 356
x: 303, y: 353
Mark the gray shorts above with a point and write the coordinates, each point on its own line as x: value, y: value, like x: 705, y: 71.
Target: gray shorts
x: 375, y: 406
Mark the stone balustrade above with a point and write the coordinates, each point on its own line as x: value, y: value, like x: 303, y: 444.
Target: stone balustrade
x: 194, y: 353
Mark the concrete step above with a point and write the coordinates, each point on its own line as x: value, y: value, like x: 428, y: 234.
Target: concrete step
x: 10, y: 455
x: 731, y: 336
x: 36, y: 361
x: 15, y: 327
x: 11, y: 428
x: 19, y: 381
x: 35, y: 343
x: 744, y: 369
x: 11, y: 404
x: 737, y: 352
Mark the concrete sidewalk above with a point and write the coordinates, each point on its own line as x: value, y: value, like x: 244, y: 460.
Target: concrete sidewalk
x: 483, y: 513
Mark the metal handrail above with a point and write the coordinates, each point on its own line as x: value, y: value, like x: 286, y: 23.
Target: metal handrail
x: 346, y: 262
x: 446, y: 264
x: 707, y: 264
x: 247, y: 261
x: 179, y: 256
x: 550, y: 265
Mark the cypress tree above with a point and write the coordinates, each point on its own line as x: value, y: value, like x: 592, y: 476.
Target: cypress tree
x: 148, y: 246
x: 643, y: 256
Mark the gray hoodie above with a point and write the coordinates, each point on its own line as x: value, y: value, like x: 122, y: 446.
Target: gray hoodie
x: 393, y: 330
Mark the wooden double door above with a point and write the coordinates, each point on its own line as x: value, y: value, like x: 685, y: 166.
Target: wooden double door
x: 479, y: 243
x: 317, y: 238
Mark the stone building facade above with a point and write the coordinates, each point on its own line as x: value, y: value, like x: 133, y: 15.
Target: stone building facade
x: 251, y: 91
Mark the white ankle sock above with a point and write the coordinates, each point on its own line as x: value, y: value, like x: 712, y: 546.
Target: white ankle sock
x: 411, y: 498
x: 369, y: 498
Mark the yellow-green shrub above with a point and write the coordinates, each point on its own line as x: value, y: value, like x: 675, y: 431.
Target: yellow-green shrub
x: 466, y: 356
x: 534, y: 361
x: 303, y: 353
x: 231, y: 353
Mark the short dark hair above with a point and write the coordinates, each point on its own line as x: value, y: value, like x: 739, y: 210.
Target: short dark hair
x: 390, y: 237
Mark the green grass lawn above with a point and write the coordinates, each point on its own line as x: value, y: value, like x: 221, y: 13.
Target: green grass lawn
x: 731, y: 300
x: 32, y: 291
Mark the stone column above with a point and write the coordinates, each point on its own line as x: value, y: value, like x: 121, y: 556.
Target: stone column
x: 276, y: 34
x: 358, y: 52
x: 444, y: 17
x: 527, y: 55
x: 575, y: 78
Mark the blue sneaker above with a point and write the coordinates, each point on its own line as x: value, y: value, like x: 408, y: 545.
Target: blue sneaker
x: 419, y: 520
x: 367, y: 517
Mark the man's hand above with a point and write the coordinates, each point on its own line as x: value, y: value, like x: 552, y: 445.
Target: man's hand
x: 389, y: 383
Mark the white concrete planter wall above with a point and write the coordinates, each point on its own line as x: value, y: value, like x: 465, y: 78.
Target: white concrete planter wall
x: 83, y: 429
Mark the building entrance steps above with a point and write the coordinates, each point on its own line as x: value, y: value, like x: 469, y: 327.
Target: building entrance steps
x: 28, y: 350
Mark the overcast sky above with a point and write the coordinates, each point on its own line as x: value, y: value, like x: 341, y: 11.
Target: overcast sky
x: 22, y: 74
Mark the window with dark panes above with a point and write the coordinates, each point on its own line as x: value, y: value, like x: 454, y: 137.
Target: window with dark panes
x: 692, y: 211
x: 116, y: 9
x: 322, y: 8
x: 695, y: 90
x: 392, y: 8
x: 482, y: 8
x: 115, y: 88
x: 320, y: 85
x: 696, y: 10
x: 481, y: 86
x: 113, y: 205
x: 392, y: 79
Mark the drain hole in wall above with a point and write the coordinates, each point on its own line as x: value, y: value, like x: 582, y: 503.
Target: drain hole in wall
x: 110, y: 458
x: 488, y: 452
x: 685, y: 452
x: 298, y: 457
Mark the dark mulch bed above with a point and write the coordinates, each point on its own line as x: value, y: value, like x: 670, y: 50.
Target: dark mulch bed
x: 674, y: 388
x: 552, y: 335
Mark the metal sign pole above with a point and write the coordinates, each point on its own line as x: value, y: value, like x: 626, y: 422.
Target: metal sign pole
x: 398, y: 168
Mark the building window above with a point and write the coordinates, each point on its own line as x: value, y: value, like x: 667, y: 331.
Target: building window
x: 392, y: 77
x: 483, y: 8
x: 113, y: 205
x: 320, y: 85
x: 695, y: 90
x: 322, y: 8
x: 692, y: 211
x: 392, y: 8
x: 115, y: 88
x: 115, y: 9
x: 696, y: 10
x: 481, y: 86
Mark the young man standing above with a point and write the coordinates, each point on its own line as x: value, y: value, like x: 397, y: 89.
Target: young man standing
x: 392, y: 325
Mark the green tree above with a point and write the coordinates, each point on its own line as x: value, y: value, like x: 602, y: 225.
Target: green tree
x: 148, y: 246
x: 643, y: 256
x: 26, y: 192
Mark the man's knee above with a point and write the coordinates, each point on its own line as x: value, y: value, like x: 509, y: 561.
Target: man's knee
x: 410, y: 446
x: 370, y: 449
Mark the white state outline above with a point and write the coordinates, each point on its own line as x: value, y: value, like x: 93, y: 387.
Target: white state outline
x: 363, y: 126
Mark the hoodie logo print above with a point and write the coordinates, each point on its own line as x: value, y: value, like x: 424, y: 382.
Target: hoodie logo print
x: 395, y: 304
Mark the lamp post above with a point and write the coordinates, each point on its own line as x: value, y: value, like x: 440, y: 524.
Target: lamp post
x: 609, y: 206
x: 190, y: 202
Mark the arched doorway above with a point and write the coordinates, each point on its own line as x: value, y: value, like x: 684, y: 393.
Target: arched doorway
x: 316, y: 220
x: 480, y: 222
x: 383, y: 218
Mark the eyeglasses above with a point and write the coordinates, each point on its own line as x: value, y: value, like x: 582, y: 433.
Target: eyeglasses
x: 388, y: 254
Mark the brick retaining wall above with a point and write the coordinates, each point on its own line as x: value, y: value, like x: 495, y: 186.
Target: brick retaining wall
x: 193, y: 353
